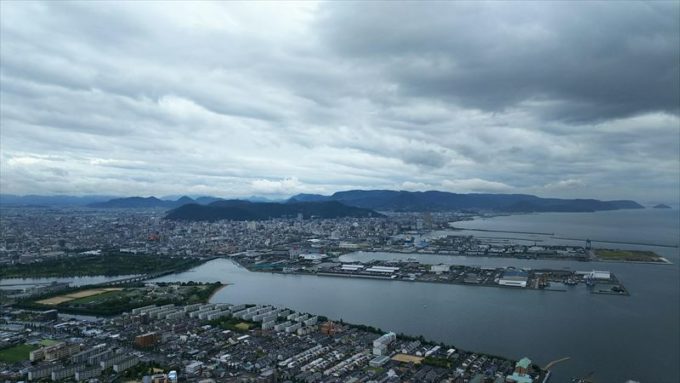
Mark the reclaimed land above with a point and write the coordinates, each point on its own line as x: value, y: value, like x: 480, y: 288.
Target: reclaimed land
x: 114, y: 302
x: 628, y: 256
x: 536, y: 279
x: 108, y: 264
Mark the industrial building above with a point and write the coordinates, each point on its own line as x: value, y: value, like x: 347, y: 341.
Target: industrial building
x: 514, y: 277
x: 351, y: 267
x: 382, y: 269
x: 600, y: 275
x: 438, y: 269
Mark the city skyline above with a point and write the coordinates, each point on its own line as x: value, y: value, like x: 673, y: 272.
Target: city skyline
x: 557, y: 100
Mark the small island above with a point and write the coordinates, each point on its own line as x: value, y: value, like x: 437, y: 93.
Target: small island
x: 662, y: 206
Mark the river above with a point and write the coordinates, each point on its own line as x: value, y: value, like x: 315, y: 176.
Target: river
x: 25, y: 283
x: 617, y: 338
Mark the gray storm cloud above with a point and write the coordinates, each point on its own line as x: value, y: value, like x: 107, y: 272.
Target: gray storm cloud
x: 234, y: 99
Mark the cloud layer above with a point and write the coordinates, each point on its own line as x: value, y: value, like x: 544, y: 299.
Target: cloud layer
x: 235, y: 99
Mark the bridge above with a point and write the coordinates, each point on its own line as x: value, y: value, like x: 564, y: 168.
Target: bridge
x: 135, y: 279
x: 28, y: 284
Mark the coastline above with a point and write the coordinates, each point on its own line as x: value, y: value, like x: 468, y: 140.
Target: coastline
x: 217, y: 290
x: 661, y: 261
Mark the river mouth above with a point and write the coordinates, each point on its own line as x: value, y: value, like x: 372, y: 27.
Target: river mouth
x: 496, y: 321
x: 606, y: 334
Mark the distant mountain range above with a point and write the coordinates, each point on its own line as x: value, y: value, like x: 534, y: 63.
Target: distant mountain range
x: 375, y: 200
x: 151, y: 202
x: 53, y: 200
x: 390, y: 200
x: 238, y: 210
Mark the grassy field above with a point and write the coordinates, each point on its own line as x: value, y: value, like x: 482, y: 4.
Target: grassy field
x: 16, y: 353
x: 85, y: 296
x: 114, y: 300
x: 627, y: 255
x: 243, y: 326
x: 404, y: 358
x: 110, y: 293
x: 233, y: 324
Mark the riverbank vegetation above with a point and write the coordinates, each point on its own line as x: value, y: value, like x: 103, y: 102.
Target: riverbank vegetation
x: 108, y: 264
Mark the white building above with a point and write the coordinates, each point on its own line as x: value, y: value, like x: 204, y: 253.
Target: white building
x: 516, y: 278
x: 603, y: 275
x: 351, y: 267
x: 382, y: 269
x: 438, y: 269
x: 313, y: 256
x: 385, y: 339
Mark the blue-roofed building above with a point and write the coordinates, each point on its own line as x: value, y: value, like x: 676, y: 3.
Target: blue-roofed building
x: 521, y: 374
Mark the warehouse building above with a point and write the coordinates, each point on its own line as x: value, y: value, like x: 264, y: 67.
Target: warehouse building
x: 438, y: 269
x: 351, y: 267
x: 382, y: 269
x: 513, y: 277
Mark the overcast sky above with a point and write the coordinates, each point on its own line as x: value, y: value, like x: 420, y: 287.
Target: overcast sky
x: 237, y: 99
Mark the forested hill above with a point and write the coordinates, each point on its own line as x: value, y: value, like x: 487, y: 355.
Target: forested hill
x: 390, y: 200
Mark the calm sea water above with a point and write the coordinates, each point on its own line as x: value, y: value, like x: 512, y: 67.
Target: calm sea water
x: 647, y: 226
x: 615, y: 338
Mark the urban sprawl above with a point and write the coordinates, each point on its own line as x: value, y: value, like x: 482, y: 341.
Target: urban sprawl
x: 161, y: 332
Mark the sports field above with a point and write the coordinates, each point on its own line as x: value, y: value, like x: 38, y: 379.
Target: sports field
x: 77, y: 295
x: 404, y: 358
x: 16, y: 353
